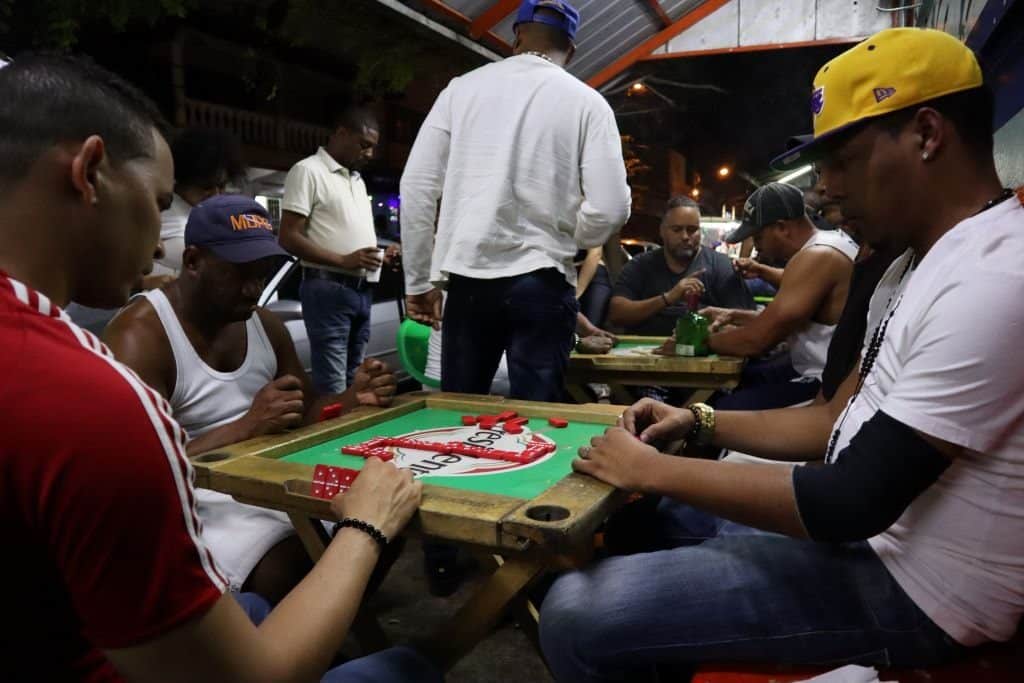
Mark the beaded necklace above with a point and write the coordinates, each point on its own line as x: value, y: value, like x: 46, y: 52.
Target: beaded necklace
x: 537, y: 54
x: 878, y: 336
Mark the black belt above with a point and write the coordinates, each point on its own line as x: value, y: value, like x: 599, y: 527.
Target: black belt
x: 320, y: 274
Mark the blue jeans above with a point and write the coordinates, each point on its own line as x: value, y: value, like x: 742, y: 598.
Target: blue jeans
x: 730, y: 593
x: 394, y: 664
x: 766, y: 385
x: 337, y: 321
x: 529, y: 317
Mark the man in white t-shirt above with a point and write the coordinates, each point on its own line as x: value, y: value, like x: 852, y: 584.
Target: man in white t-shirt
x: 906, y: 544
x: 526, y: 162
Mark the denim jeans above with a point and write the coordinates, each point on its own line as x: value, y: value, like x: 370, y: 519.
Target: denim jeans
x: 337, y: 321
x: 388, y: 666
x: 730, y: 593
x: 766, y: 385
x: 530, y: 317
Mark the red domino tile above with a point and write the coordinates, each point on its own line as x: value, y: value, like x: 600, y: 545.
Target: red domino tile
x: 518, y: 421
x: 513, y: 428
x: 507, y: 415
x: 559, y: 422
x: 469, y: 420
x: 330, y: 412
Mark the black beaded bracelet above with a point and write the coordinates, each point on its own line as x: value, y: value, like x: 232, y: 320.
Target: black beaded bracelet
x: 367, y: 528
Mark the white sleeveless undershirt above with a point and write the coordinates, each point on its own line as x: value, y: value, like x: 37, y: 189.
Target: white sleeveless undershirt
x: 204, y: 398
x: 808, y: 346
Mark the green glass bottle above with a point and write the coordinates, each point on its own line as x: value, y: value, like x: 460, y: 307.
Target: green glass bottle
x: 692, y: 330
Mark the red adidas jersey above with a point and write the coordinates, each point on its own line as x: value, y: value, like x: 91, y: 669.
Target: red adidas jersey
x: 97, y: 510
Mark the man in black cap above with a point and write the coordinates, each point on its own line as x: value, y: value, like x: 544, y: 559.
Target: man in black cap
x: 811, y: 296
x: 230, y: 373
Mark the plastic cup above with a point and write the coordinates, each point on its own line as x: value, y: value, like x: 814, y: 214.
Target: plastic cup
x: 374, y: 275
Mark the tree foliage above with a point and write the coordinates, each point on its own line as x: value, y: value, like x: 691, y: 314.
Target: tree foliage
x: 56, y: 24
x: 387, y: 51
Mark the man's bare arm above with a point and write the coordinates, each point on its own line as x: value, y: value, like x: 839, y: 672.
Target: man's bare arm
x: 137, y: 338
x: 301, y: 636
x: 806, y: 284
x: 294, y: 240
x: 623, y: 312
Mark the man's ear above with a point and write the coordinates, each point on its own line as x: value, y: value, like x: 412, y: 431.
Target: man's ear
x: 930, y: 128
x: 191, y: 258
x: 86, y: 167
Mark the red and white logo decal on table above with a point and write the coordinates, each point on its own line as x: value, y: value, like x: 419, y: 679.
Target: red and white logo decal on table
x: 440, y: 464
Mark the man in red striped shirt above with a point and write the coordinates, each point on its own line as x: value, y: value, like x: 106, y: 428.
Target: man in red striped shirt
x: 113, y: 580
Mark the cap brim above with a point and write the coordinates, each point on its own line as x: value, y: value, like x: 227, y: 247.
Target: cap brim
x: 741, y: 233
x: 247, y: 251
x: 807, y: 149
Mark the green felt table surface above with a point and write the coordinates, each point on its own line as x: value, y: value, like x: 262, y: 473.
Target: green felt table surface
x: 522, y: 481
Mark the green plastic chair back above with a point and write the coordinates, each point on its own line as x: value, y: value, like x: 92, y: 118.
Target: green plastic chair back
x: 413, y: 338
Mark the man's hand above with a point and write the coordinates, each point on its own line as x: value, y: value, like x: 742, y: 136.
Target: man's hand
x: 718, y: 317
x: 688, y: 285
x: 618, y: 458
x: 368, y: 258
x: 748, y: 268
x: 425, y: 308
x: 393, y: 256
x: 277, y: 406
x: 585, y: 328
x: 374, y: 384
x: 654, y: 421
x: 595, y: 344
x: 382, y: 495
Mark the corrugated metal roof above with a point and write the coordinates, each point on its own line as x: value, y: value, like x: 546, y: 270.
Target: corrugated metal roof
x: 609, y: 29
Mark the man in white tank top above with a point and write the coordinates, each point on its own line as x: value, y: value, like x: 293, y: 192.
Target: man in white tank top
x: 811, y: 296
x: 230, y: 372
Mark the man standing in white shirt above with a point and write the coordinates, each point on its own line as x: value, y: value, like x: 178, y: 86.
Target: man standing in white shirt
x: 526, y: 162
x: 327, y: 221
x: 906, y: 544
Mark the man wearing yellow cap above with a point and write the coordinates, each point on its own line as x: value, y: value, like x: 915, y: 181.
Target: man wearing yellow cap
x: 905, y: 545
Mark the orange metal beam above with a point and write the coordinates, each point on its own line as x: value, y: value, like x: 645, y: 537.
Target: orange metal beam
x: 443, y: 9
x: 658, y: 10
x: 653, y: 43
x: 492, y: 17
x: 749, y: 48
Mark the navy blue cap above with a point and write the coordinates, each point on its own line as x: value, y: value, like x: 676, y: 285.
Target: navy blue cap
x: 234, y: 227
x: 568, y: 19
x: 766, y: 205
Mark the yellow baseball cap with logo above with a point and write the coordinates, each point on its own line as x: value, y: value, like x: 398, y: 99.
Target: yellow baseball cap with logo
x: 892, y: 70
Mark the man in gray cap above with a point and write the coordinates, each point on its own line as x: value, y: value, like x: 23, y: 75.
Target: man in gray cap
x: 811, y: 296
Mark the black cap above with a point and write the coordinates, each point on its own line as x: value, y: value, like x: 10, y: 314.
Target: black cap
x: 767, y: 204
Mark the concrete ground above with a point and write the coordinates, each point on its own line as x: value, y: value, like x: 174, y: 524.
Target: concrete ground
x: 407, y: 611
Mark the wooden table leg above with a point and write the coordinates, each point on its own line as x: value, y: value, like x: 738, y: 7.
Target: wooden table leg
x: 365, y: 627
x: 478, y: 617
x: 700, y: 396
x: 312, y: 534
x: 578, y: 392
x: 621, y: 395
